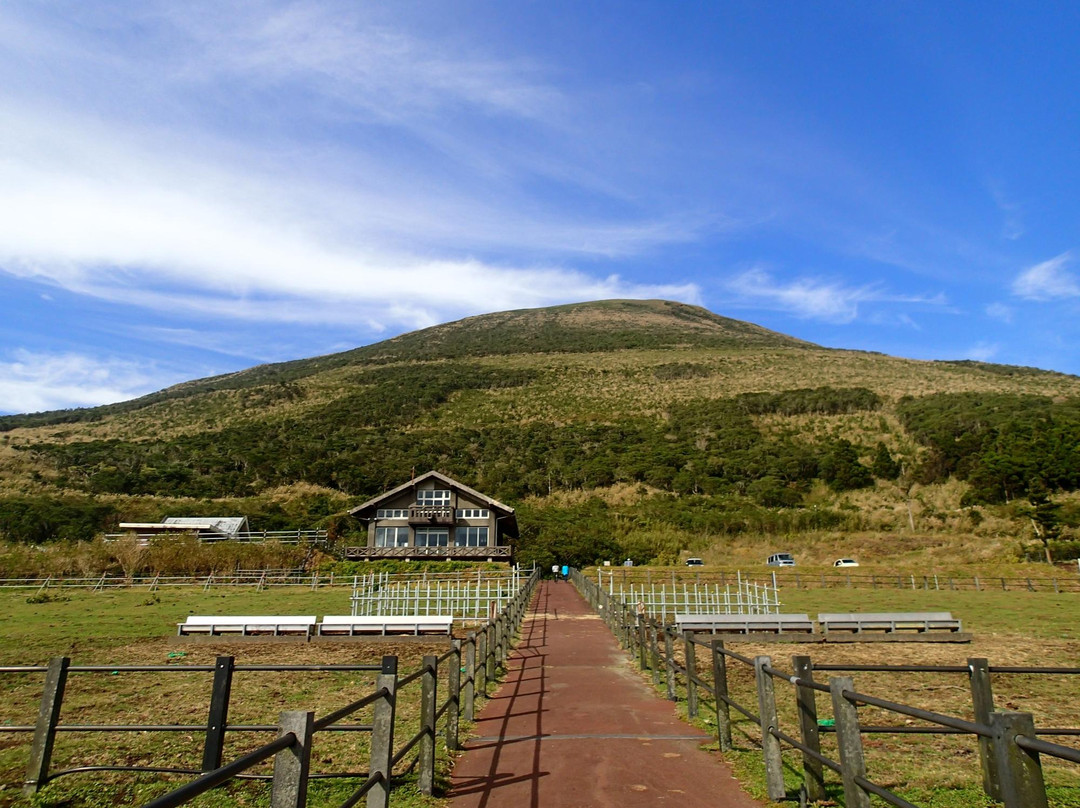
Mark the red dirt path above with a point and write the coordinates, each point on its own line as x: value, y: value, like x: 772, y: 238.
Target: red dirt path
x: 574, y: 725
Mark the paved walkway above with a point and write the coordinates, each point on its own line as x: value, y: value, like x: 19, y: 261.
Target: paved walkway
x: 573, y: 725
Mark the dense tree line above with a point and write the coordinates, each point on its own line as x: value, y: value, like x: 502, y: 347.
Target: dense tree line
x: 1003, y: 445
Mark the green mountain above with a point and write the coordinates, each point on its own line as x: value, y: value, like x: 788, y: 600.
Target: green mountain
x: 714, y: 426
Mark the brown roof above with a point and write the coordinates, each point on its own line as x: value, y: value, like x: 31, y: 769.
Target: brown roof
x: 494, y: 504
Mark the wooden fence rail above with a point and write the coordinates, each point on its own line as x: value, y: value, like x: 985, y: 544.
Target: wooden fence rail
x: 613, y: 577
x: 1009, y: 746
x: 468, y: 667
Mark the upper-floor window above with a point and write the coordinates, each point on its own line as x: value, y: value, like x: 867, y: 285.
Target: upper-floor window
x: 432, y: 497
x: 392, y: 513
x: 472, y: 513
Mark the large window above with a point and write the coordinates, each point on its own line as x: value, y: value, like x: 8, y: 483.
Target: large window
x: 433, y: 497
x: 472, y: 513
x: 471, y: 537
x: 391, y: 537
x: 392, y: 513
x: 432, y: 537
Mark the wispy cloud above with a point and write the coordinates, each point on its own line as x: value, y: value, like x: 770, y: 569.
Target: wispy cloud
x: 816, y: 298
x: 1012, y: 226
x: 31, y: 382
x: 999, y: 311
x: 101, y: 213
x: 1047, y: 281
x: 983, y: 351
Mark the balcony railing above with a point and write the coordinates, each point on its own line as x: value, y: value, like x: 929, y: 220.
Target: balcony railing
x: 456, y: 553
x: 431, y: 515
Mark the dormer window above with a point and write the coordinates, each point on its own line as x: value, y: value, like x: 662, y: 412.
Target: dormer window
x: 433, y: 497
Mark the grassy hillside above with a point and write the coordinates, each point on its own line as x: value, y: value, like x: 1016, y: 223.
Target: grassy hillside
x: 630, y: 427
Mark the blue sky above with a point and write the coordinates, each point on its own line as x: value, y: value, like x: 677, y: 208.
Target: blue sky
x: 192, y: 188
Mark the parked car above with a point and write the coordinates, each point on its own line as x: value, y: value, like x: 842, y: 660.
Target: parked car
x: 781, y: 560
x: 845, y: 562
x: 695, y: 562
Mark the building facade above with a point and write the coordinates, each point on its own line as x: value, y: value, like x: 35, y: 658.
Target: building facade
x: 434, y: 516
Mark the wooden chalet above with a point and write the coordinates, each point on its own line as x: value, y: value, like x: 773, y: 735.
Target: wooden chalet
x: 434, y: 516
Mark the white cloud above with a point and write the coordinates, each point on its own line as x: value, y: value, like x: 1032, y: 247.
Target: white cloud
x: 999, y: 311
x: 32, y: 382
x: 1047, y: 281
x: 983, y: 351
x: 1012, y: 226
x: 814, y: 298
x: 99, y: 214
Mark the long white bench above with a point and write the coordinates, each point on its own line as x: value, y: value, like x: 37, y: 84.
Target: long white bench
x: 247, y: 625
x: 888, y: 622
x: 745, y: 623
x: 352, y: 625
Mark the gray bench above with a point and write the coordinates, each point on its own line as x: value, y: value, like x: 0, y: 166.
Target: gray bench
x: 888, y: 622
x: 247, y: 625
x: 352, y: 625
x: 745, y: 623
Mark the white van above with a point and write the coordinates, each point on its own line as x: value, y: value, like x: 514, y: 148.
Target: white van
x: 781, y: 560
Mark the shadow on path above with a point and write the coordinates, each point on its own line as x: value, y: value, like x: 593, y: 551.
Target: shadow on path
x: 573, y: 725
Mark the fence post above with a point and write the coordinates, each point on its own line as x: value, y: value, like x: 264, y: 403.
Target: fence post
x: 481, y: 663
x: 690, y: 655
x: 849, y: 740
x: 642, y: 642
x: 489, y: 652
x: 669, y: 663
x: 453, y: 697
x: 469, y: 697
x: 382, y: 735
x: 654, y: 648
x: 1020, y: 777
x: 219, y: 713
x: 428, y: 687
x: 770, y: 744
x: 291, y: 765
x: 52, y: 697
x: 806, y: 700
x: 723, y: 712
x: 982, y: 700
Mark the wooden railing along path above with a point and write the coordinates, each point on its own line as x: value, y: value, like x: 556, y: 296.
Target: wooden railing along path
x: 1008, y: 741
x: 468, y: 667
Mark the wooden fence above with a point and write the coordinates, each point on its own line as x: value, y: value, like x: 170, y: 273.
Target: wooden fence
x: 795, y: 579
x: 1009, y: 746
x: 467, y: 667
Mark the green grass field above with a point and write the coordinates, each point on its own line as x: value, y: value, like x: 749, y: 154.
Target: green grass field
x: 132, y: 627
x: 125, y: 627
x: 1010, y: 629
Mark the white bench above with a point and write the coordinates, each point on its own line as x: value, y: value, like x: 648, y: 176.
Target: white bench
x: 247, y: 625
x: 745, y: 623
x: 888, y: 622
x: 352, y: 625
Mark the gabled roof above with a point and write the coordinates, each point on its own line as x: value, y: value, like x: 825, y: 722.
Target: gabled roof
x: 494, y: 504
x: 229, y: 525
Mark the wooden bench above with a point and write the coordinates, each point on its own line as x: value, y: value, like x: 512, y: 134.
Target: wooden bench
x: 745, y: 623
x: 247, y: 625
x: 888, y: 622
x: 352, y: 625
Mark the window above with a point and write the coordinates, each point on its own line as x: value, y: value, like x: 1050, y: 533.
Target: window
x: 471, y: 537
x: 392, y: 513
x: 432, y: 537
x: 432, y: 497
x: 472, y: 513
x: 391, y: 537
